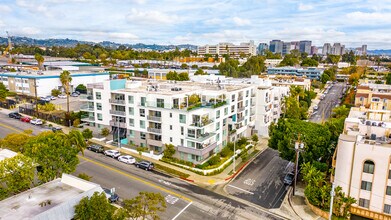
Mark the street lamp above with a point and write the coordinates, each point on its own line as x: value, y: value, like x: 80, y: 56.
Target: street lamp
x: 299, y: 146
x: 118, y: 139
x: 234, y: 155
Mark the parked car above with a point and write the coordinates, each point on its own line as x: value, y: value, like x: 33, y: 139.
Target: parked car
x: 127, y: 159
x: 62, y: 96
x: 112, y: 153
x: 74, y: 94
x: 146, y: 165
x: 25, y: 119
x: 112, y: 197
x: 56, y: 129
x: 42, y: 102
x: 288, y: 179
x: 15, y: 115
x: 36, y: 121
x: 50, y: 97
x: 45, y: 99
x: 96, y: 148
x: 316, y: 107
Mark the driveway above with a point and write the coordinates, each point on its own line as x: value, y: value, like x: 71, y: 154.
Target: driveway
x: 262, y: 180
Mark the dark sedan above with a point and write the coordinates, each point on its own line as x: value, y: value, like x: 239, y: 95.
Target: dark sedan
x: 15, y: 115
x: 146, y: 165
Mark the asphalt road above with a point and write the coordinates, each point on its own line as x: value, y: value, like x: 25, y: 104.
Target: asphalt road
x: 325, y: 106
x: 129, y: 181
x: 261, y: 182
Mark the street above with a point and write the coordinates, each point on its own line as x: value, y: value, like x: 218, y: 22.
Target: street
x: 184, y: 200
x: 261, y: 181
x: 329, y: 102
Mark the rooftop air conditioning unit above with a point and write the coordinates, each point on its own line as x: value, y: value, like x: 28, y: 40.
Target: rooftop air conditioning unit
x: 373, y: 136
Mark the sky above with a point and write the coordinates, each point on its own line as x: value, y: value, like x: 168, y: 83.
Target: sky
x: 199, y: 22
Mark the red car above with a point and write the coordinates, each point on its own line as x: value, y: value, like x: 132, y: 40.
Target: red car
x: 25, y: 119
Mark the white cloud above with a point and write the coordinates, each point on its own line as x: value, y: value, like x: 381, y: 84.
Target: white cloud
x: 5, y: 9
x: 29, y: 31
x: 2, y: 24
x: 369, y: 17
x: 213, y: 21
x: 151, y: 17
x: 305, y: 7
x: 122, y: 35
x: 240, y: 21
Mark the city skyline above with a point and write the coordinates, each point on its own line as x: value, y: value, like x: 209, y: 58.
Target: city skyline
x: 351, y: 22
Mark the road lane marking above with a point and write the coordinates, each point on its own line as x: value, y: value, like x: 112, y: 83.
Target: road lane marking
x: 136, y: 178
x: 182, y: 211
x: 241, y: 189
x: 249, y: 182
x: 171, y: 199
x: 11, y: 128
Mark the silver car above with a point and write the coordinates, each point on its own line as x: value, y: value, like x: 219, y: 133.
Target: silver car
x: 127, y: 159
x: 112, y: 153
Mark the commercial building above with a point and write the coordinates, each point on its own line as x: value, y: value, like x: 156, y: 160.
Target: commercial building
x: 228, y: 48
x: 286, y: 48
x: 362, y: 161
x: 373, y: 96
x: 262, y: 47
x: 276, y: 46
x: 42, y: 82
x: 197, y: 118
x: 326, y: 49
x: 288, y: 81
x: 310, y: 73
x: 53, y: 200
x: 305, y: 46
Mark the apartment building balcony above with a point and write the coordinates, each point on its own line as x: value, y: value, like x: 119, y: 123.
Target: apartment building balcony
x: 201, y: 124
x: 87, y: 108
x: 85, y: 97
x: 114, y: 112
x: 154, y: 118
x: 116, y: 124
x: 240, y: 98
x: 242, y: 108
x: 117, y: 101
x: 154, y: 142
x: 253, y: 95
x: 88, y: 118
x: 252, y: 113
x: 199, y: 152
x: 239, y: 119
x: 155, y: 130
x: 201, y: 137
x: 253, y: 104
x: 252, y: 118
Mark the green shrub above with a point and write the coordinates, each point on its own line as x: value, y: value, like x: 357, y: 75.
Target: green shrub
x: 104, y: 132
x: 244, y: 156
x: 226, y: 152
x: 214, y: 160
x: 171, y: 171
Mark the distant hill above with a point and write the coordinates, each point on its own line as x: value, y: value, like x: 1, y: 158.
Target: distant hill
x: 71, y: 43
x: 379, y: 52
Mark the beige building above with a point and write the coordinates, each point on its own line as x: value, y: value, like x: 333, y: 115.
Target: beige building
x: 229, y: 48
x: 373, y: 96
x: 362, y: 162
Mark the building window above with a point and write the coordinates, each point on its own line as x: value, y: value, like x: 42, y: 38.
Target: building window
x: 369, y: 167
x: 182, y: 142
x: 170, y: 127
x: 98, y: 95
x: 366, y: 185
x: 142, y: 124
x: 142, y: 135
x: 131, y: 111
x: 387, y: 209
x: 233, y: 98
x: 99, y: 116
x: 131, y: 122
x: 389, y: 174
x: 99, y: 106
x: 388, y: 191
x: 171, y: 139
x: 182, y: 131
x: 160, y: 103
x: 363, y: 203
x: 142, y: 112
x: 131, y: 133
x: 182, y: 119
x: 218, y: 137
x: 247, y: 92
x: 226, y: 111
x: 130, y: 99
x: 361, y: 99
x: 170, y: 115
x: 143, y: 101
x: 217, y: 126
x: 217, y: 114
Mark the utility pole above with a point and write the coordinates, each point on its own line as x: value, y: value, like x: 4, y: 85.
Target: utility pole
x: 234, y: 154
x: 332, y: 193
x: 298, y: 147
x: 118, y: 139
x: 36, y: 97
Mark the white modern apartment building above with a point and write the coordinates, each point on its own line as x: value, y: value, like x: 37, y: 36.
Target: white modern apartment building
x: 197, y: 118
x: 42, y: 82
x: 363, y: 162
x: 229, y: 48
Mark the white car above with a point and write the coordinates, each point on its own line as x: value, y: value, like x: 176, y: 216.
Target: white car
x: 62, y: 96
x: 112, y: 153
x: 315, y: 107
x: 36, y: 121
x: 127, y: 159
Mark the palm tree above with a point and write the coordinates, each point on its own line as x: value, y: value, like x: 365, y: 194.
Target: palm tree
x: 39, y: 58
x: 66, y: 79
x: 77, y: 140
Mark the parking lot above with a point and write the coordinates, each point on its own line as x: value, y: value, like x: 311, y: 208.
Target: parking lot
x: 74, y: 103
x: 261, y: 182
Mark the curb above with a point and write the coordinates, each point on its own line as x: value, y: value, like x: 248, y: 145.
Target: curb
x: 189, y: 180
x: 289, y: 196
x: 237, y: 172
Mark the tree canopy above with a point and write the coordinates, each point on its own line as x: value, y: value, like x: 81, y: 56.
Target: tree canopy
x: 145, y: 205
x: 96, y: 207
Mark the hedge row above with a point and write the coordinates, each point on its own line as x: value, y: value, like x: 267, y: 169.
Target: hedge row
x: 171, y: 171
